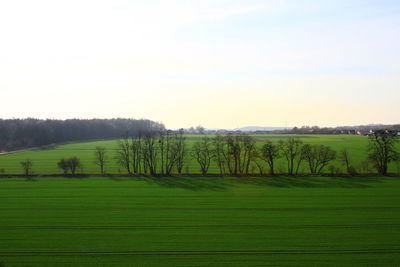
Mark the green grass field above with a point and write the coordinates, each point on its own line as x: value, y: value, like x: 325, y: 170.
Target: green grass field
x: 45, y: 160
x: 280, y: 221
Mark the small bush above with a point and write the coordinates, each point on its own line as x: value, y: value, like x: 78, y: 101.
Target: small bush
x: 63, y: 165
x: 71, y: 164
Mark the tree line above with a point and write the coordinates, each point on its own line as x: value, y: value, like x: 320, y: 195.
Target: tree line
x: 25, y: 133
x: 167, y: 153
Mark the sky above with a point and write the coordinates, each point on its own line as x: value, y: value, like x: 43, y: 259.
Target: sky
x: 216, y: 63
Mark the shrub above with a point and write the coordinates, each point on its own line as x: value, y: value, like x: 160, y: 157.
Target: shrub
x: 71, y: 164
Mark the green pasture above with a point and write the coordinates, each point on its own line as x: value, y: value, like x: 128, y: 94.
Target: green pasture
x: 45, y: 160
x: 213, y: 221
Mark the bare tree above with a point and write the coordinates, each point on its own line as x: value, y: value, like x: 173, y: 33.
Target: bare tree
x: 123, y: 155
x: 171, y: 152
x: 181, y: 150
x: 258, y: 162
x: 241, y: 150
x: 269, y: 153
x: 161, y: 145
x: 172, y: 149
x: 27, y: 166
x: 168, y: 151
x: 136, y: 152
x: 202, y: 153
x: 249, y: 151
x: 220, y: 153
x: 318, y: 157
x: 381, y: 151
x: 150, y: 152
x: 344, y: 157
x: 100, y: 158
x: 292, y: 151
x: 234, y: 153
x: 74, y: 163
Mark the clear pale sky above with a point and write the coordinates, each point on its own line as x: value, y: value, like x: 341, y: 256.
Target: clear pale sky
x: 218, y: 63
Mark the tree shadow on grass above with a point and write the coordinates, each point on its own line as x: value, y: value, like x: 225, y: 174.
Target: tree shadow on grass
x: 224, y: 183
x: 75, y: 176
x: 314, y: 182
x: 189, y: 183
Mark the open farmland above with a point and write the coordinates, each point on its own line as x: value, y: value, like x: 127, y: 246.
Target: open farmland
x: 45, y: 160
x: 299, y: 221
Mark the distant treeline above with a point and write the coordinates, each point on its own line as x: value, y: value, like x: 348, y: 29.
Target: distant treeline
x: 25, y: 133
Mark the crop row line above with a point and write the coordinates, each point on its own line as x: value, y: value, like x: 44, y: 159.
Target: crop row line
x: 192, y: 227
x: 193, y: 253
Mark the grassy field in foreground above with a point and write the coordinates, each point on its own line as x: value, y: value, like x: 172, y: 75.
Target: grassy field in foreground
x: 45, y: 160
x: 200, y: 221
